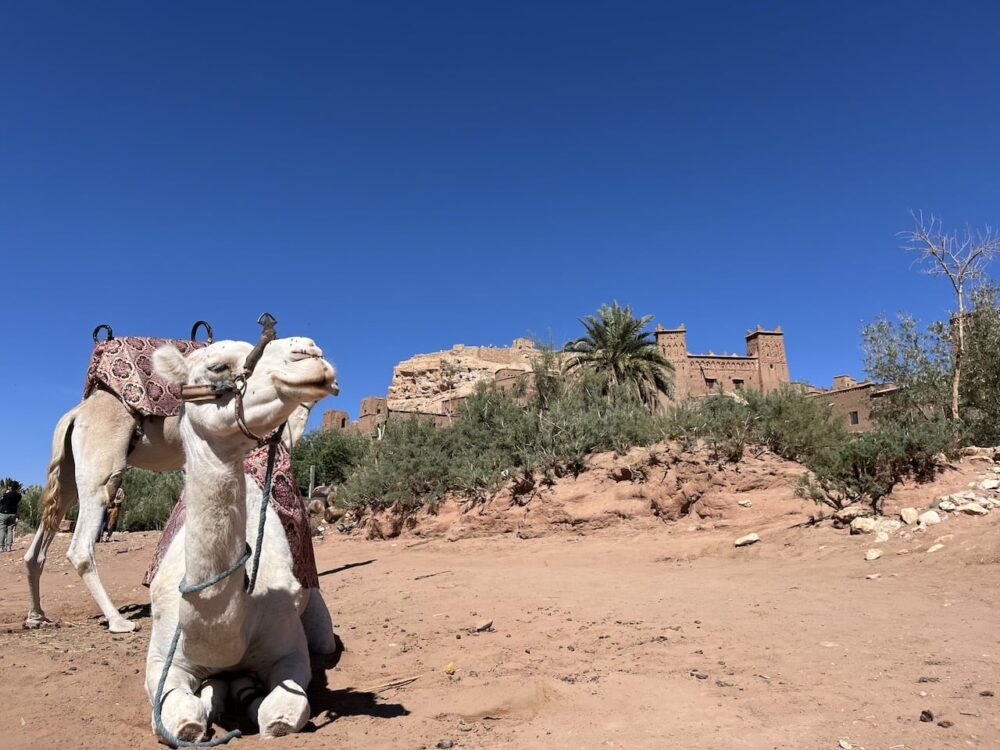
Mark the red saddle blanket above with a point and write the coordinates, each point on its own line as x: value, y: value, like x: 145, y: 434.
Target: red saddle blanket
x: 285, y: 501
x: 125, y: 368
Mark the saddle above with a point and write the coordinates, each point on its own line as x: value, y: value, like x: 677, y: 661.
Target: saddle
x: 124, y: 368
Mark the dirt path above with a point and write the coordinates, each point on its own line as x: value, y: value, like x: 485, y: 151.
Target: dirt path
x: 626, y: 638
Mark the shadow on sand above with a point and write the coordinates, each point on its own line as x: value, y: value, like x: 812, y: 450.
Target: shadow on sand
x: 348, y: 566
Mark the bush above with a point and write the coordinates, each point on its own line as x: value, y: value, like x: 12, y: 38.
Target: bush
x: 496, y: 436
x: 149, y: 499
x: 29, y: 512
x: 866, y: 467
x: 334, y: 454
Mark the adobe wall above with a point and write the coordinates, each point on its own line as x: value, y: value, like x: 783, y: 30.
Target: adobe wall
x: 764, y: 367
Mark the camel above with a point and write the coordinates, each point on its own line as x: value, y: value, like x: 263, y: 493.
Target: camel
x: 91, y: 449
x: 200, y: 603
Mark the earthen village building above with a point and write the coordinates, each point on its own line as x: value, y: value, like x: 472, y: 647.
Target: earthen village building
x: 435, y: 385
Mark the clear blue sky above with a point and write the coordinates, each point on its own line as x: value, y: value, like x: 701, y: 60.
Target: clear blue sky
x: 394, y: 178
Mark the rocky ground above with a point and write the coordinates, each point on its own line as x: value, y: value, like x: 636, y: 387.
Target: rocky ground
x: 599, y: 622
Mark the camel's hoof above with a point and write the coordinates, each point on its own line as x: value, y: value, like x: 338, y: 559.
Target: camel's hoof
x: 276, y: 729
x: 37, y: 623
x: 191, y: 731
x: 122, y: 626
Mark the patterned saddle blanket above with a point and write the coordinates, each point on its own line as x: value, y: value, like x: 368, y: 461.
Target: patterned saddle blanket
x: 285, y: 501
x: 124, y: 367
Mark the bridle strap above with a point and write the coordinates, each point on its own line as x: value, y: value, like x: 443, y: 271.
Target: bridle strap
x: 238, y: 385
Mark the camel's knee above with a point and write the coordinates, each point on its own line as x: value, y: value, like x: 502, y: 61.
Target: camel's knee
x: 82, y: 560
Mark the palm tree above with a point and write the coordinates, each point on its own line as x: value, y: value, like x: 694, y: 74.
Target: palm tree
x: 617, y: 347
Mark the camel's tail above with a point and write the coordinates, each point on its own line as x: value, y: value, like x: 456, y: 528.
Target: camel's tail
x: 60, y: 445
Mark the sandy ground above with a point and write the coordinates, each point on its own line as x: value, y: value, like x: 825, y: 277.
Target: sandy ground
x: 625, y: 638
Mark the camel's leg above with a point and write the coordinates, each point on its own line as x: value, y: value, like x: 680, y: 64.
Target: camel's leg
x: 213, y: 697
x: 318, y: 624
x: 285, y: 710
x: 100, y: 445
x: 34, y: 561
x: 183, y: 713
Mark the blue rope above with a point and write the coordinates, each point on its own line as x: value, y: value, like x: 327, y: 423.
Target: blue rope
x: 184, y: 588
x: 272, y: 450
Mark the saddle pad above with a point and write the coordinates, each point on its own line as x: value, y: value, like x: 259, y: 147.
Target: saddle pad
x: 125, y: 368
x: 285, y: 501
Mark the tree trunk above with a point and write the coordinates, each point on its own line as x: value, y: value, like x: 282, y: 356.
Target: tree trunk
x: 958, y: 355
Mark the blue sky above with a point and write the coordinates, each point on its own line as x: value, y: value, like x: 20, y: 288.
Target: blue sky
x: 394, y: 178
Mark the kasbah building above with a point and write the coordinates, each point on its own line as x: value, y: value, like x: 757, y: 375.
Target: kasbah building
x: 435, y: 385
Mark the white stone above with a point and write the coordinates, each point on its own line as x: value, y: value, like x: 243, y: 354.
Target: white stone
x: 909, y: 516
x: 863, y: 525
x: 947, y: 505
x: 881, y: 537
x: 990, y: 484
x: 929, y: 518
x: 746, y: 541
x: 972, y: 509
x: 873, y: 554
x: 745, y: 504
x: 935, y: 548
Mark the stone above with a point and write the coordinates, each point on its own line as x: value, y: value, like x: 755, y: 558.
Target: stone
x: 745, y: 503
x: 946, y: 724
x: 946, y: 505
x: 990, y: 484
x: 926, y: 715
x: 845, y: 515
x: 873, y: 576
x: 445, y: 745
x: 881, y: 538
x: 935, y: 548
x: 909, y: 516
x: 845, y: 745
x: 863, y: 525
x: 873, y: 554
x: 746, y: 541
x: 929, y: 518
x: 484, y: 626
x: 972, y: 509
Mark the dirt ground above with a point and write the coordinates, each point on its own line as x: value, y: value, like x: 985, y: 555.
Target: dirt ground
x: 628, y: 637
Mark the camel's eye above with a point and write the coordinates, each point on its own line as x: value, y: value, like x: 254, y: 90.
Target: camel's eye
x: 218, y: 368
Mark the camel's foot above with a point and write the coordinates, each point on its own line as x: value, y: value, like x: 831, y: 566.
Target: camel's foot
x: 37, y: 621
x: 121, y: 625
x: 281, y: 713
x: 184, y: 716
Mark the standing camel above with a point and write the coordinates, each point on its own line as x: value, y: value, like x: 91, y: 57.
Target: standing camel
x: 205, y: 621
x: 92, y: 446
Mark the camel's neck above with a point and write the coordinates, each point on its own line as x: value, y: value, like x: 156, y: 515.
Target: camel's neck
x: 215, y: 538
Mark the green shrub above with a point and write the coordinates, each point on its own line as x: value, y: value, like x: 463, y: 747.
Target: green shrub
x: 866, y: 467
x: 334, y: 454
x: 29, y: 512
x: 149, y: 499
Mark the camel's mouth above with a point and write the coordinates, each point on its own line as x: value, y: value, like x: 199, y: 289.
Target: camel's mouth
x: 309, y: 377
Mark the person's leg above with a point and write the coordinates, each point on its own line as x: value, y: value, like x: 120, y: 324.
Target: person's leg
x: 8, y: 523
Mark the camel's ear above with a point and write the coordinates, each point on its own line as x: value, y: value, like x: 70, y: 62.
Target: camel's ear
x: 170, y: 364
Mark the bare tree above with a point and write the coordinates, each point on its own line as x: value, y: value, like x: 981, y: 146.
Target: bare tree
x: 963, y: 261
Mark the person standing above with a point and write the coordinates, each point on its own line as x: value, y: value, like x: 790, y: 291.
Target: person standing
x: 113, y: 512
x: 8, y: 515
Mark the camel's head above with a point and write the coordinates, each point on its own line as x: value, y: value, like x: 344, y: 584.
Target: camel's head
x: 290, y: 374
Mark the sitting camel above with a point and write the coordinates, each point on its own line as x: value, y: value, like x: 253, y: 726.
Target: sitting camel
x: 92, y: 446
x: 205, y: 622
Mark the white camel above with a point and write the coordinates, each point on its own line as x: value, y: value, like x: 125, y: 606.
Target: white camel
x: 91, y: 449
x: 222, y: 627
